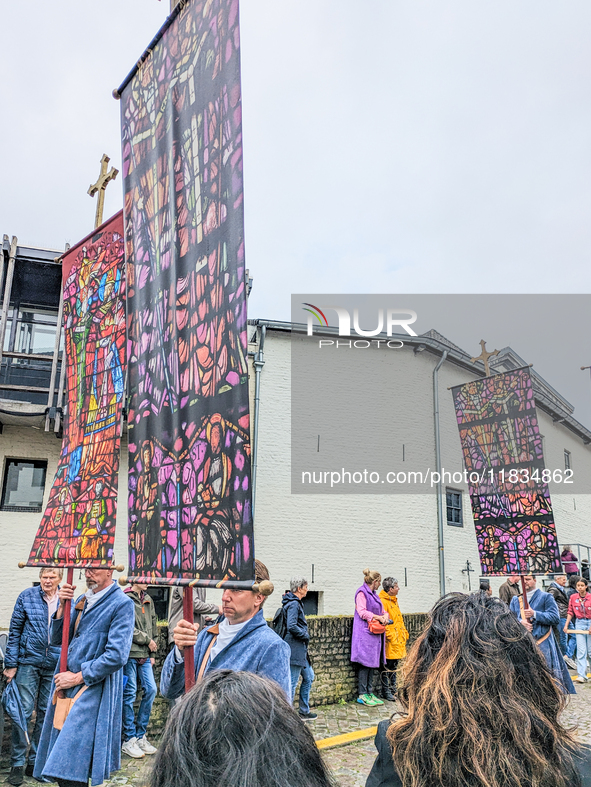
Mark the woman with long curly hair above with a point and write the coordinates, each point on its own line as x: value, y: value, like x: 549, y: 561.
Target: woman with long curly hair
x: 482, y: 708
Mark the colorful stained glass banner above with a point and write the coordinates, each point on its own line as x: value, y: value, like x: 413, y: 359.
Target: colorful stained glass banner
x: 502, y: 449
x: 78, y: 526
x: 189, y: 441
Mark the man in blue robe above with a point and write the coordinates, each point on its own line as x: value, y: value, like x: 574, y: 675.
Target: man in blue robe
x: 101, y: 631
x: 539, y: 619
x: 240, y: 641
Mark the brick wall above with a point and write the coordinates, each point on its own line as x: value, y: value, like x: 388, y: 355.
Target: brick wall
x: 330, y: 653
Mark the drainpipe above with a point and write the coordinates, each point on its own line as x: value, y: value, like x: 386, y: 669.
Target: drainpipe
x: 438, y: 470
x: 258, y: 363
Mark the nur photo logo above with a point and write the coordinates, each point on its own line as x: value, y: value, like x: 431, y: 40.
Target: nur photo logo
x: 386, y: 320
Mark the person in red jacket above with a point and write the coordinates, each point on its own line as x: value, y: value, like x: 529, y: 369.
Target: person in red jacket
x: 579, y: 608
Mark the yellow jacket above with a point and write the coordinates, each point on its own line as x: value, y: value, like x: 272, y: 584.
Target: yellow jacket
x: 396, y: 633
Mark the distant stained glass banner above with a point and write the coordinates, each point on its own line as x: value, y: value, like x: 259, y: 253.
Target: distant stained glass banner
x: 503, y: 456
x: 189, y: 437
x: 78, y: 526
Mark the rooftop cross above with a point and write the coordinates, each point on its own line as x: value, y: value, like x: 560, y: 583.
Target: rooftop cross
x: 100, y: 186
x: 484, y: 356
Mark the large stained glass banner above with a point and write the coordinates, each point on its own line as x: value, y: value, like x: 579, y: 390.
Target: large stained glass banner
x: 189, y: 443
x: 78, y: 526
x: 503, y: 457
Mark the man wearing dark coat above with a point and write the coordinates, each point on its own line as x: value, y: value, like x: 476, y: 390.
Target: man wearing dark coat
x: 297, y: 638
x: 101, y: 631
x: 557, y: 590
x: 509, y: 589
x: 541, y: 615
x: 30, y: 662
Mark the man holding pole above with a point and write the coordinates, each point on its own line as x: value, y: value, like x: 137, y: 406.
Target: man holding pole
x: 538, y: 612
x: 100, y: 636
x: 241, y: 641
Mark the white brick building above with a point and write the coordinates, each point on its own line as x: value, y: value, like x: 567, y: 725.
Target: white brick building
x: 330, y: 538
x: 398, y: 535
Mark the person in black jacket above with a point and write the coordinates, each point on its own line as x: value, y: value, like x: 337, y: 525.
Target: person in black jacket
x: 510, y: 587
x: 557, y: 590
x: 297, y: 638
x: 482, y: 707
x: 31, y: 660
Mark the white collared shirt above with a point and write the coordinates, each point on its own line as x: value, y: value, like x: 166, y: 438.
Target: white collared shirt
x: 226, y: 634
x: 92, y: 597
x: 529, y: 594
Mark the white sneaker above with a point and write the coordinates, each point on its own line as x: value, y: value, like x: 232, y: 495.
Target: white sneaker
x: 579, y: 679
x: 145, y: 745
x: 132, y: 749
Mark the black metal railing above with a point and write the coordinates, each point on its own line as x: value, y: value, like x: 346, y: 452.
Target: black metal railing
x: 25, y: 378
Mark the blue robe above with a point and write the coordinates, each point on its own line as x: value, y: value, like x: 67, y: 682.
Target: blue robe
x: 256, y: 648
x: 547, y: 615
x: 90, y: 740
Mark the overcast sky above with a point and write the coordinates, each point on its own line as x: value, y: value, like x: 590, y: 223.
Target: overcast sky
x: 390, y: 145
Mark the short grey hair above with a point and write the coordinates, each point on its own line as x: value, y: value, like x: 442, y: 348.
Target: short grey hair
x: 388, y: 583
x: 58, y: 571
x: 295, y: 583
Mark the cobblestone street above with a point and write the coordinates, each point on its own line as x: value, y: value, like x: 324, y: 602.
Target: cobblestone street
x: 351, y: 763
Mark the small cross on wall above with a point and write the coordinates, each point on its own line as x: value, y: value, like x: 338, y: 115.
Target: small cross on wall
x: 104, y: 179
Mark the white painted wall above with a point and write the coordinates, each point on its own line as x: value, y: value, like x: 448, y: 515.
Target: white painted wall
x: 340, y: 535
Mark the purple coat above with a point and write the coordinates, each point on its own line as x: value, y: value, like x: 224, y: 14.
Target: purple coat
x: 569, y: 562
x: 366, y: 648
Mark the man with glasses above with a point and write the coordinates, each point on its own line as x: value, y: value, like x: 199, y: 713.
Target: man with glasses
x: 101, y: 631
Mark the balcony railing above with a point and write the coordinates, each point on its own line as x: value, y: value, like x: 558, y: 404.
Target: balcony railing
x: 26, y: 378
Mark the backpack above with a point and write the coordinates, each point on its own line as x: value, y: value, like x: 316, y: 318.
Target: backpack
x: 279, y: 623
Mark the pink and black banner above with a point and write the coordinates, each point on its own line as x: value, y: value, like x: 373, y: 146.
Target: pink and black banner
x: 508, y: 481
x: 190, y: 515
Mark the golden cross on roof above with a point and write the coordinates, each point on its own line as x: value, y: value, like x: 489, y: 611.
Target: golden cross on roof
x: 484, y: 356
x: 100, y: 186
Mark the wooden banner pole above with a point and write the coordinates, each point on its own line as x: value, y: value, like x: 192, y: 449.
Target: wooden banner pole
x: 66, y: 626
x: 189, y: 653
x: 524, y: 592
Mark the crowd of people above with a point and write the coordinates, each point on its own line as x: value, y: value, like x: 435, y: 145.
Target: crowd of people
x: 482, y: 687
x: 570, y: 612
x: 85, y: 714
x: 480, y: 708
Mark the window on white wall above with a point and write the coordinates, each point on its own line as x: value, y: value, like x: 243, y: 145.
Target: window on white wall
x: 567, y: 460
x: 453, y: 499
x: 23, y: 485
